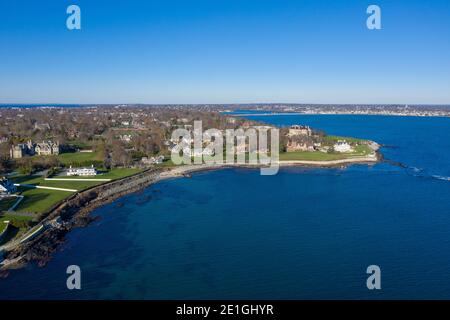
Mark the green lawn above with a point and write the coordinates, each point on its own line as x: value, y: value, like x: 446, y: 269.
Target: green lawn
x: 112, y: 174
x: 334, y: 139
x: 19, y: 225
x: 360, y: 151
x: 75, y: 143
x: 74, y: 185
x: 40, y: 181
x: 78, y: 158
x: 2, y: 226
x: 40, y: 200
x: 7, y: 203
x: 14, y: 217
x: 17, y: 220
x: 118, y: 173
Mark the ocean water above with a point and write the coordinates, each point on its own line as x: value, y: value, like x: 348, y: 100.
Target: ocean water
x: 301, y: 234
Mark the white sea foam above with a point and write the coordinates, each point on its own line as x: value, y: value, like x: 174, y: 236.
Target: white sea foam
x: 441, y: 178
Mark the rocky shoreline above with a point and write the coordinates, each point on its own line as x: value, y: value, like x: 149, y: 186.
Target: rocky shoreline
x: 71, y: 213
x: 75, y: 211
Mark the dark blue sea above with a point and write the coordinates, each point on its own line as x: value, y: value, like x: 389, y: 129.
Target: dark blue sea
x: 301, y: 234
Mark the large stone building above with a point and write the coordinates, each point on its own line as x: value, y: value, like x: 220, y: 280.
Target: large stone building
x: 47, y: 148
x: 298, y: 144
x: 21, y: 150
x: 300, y: 139
x: 29, y: 149
x: 297, y: 130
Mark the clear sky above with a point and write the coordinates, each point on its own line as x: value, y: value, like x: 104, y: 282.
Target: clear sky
x: 225, y: 51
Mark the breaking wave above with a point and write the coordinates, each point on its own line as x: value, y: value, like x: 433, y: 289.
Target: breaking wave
x: 441, y: 178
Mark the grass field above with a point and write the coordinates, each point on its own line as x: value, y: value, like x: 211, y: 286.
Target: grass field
x: 167, y: 164
x: 19, y: 225
x: 113, y: 174
x: 40, y: 181
x: 15, y: 217
x: 7, y: 203
x: 2, y: 226
x: 37, y: 201
x: 79, y: 158
x: 360, y: 151
x: 118, y: 173
x: 17, y: 220
x: 334, y: 139
x: 40, y: 200
x: 76, y: 159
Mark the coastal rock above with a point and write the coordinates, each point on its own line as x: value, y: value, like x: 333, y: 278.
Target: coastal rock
x: 72, y: 212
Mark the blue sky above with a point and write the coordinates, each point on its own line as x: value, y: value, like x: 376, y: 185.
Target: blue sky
x: 225, y: 51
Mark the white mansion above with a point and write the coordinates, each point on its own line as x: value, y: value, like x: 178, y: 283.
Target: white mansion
x: 82, y: 171
x: 342, y: 146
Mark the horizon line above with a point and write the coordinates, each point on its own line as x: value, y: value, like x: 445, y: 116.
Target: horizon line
x: 221, y: 104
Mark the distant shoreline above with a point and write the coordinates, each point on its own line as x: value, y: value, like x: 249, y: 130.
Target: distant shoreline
x: 337, y: 114
x: 272, y: 109
x: 186, y: 169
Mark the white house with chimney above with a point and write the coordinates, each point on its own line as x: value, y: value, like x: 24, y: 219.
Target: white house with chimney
x: 82, y: 171
x: 342, y: 146
x: 152, y: 160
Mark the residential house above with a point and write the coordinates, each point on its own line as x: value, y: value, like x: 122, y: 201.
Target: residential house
x: 6, y: 186
x: 82, y: 171
x: 342, y: 146
x: 152, y: 160
x: 21, y: 150
x: 47, y: 148
x: 29, y: 149
x: 297, y: 130
x: 299, y: 145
